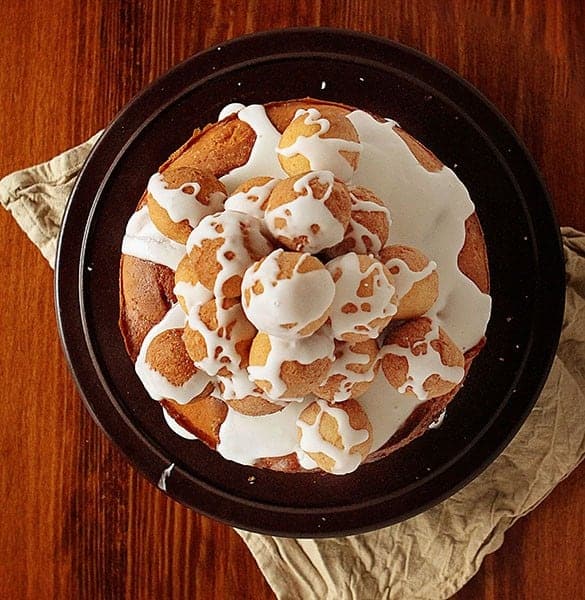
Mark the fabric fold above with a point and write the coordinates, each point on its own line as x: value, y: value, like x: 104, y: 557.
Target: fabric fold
x: 36, y: 196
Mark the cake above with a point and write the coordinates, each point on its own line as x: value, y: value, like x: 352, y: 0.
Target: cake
x: 303, y: 286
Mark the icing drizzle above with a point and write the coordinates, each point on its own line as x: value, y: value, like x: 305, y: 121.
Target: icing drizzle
x: 182, y: 203
x: 349, y: 364
x: 263, y: 152
x: 301, y: 350
x: 143, y: 240
x: 306, y: 216
x: 344, y: 460
x: 365, y: 240
x: 321, y: 152
x: 355, y: 314
x: 285, y: 297
x: 158, y: 386
x: 405, y: 277
x: 423, y: 361
x: 252, y: 202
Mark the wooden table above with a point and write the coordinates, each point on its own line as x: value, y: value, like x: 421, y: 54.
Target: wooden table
x: 76, y: 520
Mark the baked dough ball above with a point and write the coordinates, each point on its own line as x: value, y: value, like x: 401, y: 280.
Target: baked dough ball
x: 352, y: 371
x: 287, y: 294
x: 338, y: 438
x: 290, y: 368
x: 309, y: 212
x: 222, y: 247
x: 420, y: 359
x: 167, y: 371
x: 202, y: 417
x: 167, y: 355
x: 320, y: 139
x: 415, y: 278
x: 254, y: 406
x: 251, y: 197
x: 365, y: 298
x: 244, y: 396
x: 369, y: 225
x: 188, y: 289
x: 218, y: 337
x: 179, y: 198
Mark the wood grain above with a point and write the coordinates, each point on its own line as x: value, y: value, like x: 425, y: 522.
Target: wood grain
x: 76, y: 519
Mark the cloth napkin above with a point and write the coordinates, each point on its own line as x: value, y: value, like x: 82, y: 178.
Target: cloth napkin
x: 434, y: 554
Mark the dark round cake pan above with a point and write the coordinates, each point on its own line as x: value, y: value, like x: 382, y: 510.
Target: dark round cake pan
x: 452, y: 119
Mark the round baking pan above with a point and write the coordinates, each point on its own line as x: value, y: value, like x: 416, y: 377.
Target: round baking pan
x: 452, y: 119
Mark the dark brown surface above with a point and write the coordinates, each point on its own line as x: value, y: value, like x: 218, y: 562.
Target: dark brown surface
x: 76, y: 520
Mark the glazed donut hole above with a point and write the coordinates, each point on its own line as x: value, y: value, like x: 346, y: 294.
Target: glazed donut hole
x: 244, y: 396
x: 419, y: 358
x: 202, y: 417
x: 222, y: 247
x: 415, y: 277
x: 365, y: 297
x: 254, y: 406
x: 167, y: 370
x: 188, y: 289
x: 167, y: 355
x: 179, y: 198
x: 251, y: 197
x: 275, y: 292
x: 290, y: 368
x: 320, y: 139
x: 218, y: 337
x: 352, y: 372
x: 337, y: 438
x: 369, y: 225
x: 309, y: 212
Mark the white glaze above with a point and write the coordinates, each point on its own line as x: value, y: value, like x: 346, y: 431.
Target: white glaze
x: 182, y: 205
x: 239, y: 385
x: 234, y: 257
x: 361, y: 234
x: 158, y: 386
x: 386, y: 408
x: 405, y: 277
x: 423, y: 361
x: 192, y: 295
x: 304, y: 212
x: 252, y: 202
x: 428, y: 210
x: 245, y: 439
x: 344, y: 461
x: 230, y: 109
x: 347, y: 360
x: 220, y: 343
x: 282, y: 308
x: 143, y: 240
x: 263, y: 152
x: 175, y: 427
x: 164, y: 476
x: 321, y: 152
x: 439, y: 420
x: 302, y: 350
x: 231, y: 224
x: 380, y: 305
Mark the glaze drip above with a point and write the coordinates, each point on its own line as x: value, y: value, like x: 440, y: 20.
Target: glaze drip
x: 321, y: 152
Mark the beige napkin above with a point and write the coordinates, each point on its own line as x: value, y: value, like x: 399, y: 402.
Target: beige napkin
x: 430, y: 556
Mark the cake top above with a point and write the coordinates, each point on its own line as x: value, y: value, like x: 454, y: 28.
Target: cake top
x: 329, y: 250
